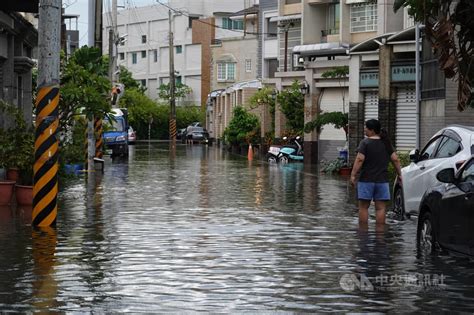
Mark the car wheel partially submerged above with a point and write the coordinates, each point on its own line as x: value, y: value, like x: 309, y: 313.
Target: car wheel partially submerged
x: 398, y: 206
x: 426, y: 239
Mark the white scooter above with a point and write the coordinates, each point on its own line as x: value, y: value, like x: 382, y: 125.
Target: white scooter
x: 275, y: 153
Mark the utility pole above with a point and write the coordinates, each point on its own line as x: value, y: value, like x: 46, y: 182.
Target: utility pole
x: 45, y: 189
x: 98, y: 129
x: 113, y: 37
x: 172, y: 127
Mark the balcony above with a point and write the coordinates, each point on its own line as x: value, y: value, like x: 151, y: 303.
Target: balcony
x: 316, y: 2
x: 331, y: 35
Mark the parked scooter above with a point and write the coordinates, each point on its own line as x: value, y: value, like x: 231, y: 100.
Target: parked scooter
x: 283, y: 154
x: 291, y: 152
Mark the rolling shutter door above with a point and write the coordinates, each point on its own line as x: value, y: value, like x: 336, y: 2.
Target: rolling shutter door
x: 331, y: 101
x: 406, y: 119
x: 371, y: 101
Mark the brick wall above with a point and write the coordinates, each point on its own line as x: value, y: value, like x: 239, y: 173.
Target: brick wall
x: 204, y: 34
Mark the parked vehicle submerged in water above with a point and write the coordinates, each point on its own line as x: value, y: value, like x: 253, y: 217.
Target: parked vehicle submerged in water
x: 293, y: 151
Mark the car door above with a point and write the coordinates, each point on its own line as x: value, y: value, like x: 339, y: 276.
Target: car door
x: 466, y: 181
x: 444, y: 157
x: 413, y: 187
x: 455, y: 213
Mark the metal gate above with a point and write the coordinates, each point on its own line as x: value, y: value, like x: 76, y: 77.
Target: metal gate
x: 406, y: 119
x: 371, y: 102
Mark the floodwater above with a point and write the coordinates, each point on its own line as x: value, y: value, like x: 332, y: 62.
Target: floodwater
x: 208, y: 231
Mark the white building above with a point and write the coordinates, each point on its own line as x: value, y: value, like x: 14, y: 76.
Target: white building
x: 146, y: 51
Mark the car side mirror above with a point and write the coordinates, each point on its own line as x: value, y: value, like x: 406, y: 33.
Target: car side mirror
x: 415, y: 155
x: 446, y: 176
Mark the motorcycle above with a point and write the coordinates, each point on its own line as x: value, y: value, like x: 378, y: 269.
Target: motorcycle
x: 283, y: 154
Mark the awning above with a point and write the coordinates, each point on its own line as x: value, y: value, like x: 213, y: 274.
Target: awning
x: 245, y: 84
x: 215, y: 93
x: 370, y: 44
x: 323, y: 49
x: 286, y: 18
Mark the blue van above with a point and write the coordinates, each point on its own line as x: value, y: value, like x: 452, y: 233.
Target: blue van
x: 116, y: 133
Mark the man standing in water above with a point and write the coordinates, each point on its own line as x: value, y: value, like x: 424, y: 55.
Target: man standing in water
x: 374, y: 154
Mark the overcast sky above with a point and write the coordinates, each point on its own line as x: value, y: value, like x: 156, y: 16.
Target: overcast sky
x: 80, y: 7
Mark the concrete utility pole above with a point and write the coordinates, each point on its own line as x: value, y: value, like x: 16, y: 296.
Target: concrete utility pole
x: 98, y: 130
x: 172, y: 127
x: 113, y: 37
x: 93, y: 16
x: 45, y: 190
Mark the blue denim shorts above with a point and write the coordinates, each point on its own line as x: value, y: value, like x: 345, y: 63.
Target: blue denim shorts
x: 373, y: 191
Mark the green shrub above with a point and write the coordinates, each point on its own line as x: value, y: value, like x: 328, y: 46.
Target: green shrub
x: 142, y: 110
x: 243, y: 128
x: 404, y: 158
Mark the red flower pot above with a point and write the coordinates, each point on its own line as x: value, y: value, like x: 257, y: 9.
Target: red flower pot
x: 6, y: 192
x: 24, y: 195
x: 13, y: 174
x: 346, y: 171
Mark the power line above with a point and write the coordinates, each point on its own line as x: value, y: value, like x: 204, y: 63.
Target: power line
x: 214, y: 25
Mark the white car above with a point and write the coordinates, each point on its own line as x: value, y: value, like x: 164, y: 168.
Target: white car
x: 448, y: 148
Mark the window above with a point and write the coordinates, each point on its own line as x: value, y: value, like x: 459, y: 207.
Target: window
x: 134, y: 58
x: 226, y: 23
x: 248, y: 65
x: 363, y: 17
x: 447, y: 148
x: 272, y: 28
x: 191, y: 19
x: 178, y: 80
x: 155, y: 55
x: 238, y: 25
x: 272, y: 67
x: 143, y: 39
x: 143, y: 82
x: 122, y: 56
x: 225, y: 71
x: 143, y: 53
x: 333, y: 18
x: 428, y: 151
x: 229, y: 24
x: 179, y: 49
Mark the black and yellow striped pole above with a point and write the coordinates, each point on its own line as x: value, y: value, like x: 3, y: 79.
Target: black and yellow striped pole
x: 86, y: 149
x: 45, y: 188
x: 98, y: 138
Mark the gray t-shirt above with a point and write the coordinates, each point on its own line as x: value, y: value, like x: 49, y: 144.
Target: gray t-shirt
x: 377, y: 156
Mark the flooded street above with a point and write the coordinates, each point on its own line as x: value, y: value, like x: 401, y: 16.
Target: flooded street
x: 208, y: 231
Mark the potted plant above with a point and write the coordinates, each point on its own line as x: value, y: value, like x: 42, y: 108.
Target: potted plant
x: 72, y: 149
x: 338, y: 165
x: 25, y: 161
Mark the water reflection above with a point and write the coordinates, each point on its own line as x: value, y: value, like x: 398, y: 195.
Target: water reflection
x: 204, y: 230
x: 45, y: 286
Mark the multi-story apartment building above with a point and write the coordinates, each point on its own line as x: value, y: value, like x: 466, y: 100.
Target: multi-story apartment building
x: 18, y: 40
x: 268, y: 40
x: 145, y: 52
x: 234, y: 66
x: 315, y: 36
